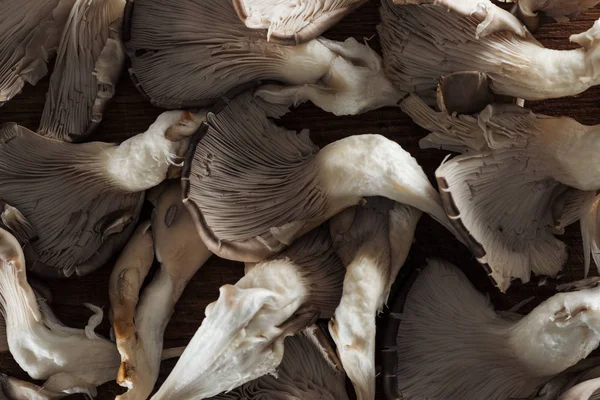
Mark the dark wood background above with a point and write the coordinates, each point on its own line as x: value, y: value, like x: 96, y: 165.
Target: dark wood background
x: 129, y: 114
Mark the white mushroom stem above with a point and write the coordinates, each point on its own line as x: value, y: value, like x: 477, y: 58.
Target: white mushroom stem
x: 181, y: 253
x: 16, y: 389
x: 373, y: 241
x: 451, y: 342
x: 242, y: 336
x: 422, y: 43
x: 70, y: 360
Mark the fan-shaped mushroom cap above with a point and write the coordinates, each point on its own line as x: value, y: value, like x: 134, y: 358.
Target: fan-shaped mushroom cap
x: 30, y: 31
x: 72, y: 360
x: 181, y: 253
x: 523, y: 178
x: 451, y: 343
x: 373, y: 242
x: 292, y: 22
x: 305, y: 372
x: 215, y: 55
x: 560, y: 10
x: 254, y: 187
x: 422, y: 43
x: 242, y: 336
x: 88, y: 65
x: 83, y: 199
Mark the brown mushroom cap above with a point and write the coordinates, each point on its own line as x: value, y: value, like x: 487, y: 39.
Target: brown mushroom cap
x: 290, y: 22
x: 89, y: 62
x: 30, y: 31
x: 80, y: 218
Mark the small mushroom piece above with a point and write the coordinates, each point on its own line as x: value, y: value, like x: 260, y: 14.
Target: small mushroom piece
x: 522, y: 179
x: 206, y: 53
x: 422, y: 43
x: 560, y: 10
x: 253, y: 187
x: 88, y: 65
x: 181, y: 253
x: 373, y: 242
x: 241, y: 338
x: 70, y: 360
x: 305, y: 372
x: 448, y: 330
x: 83, y: 199
x: 590, y: 234
x: 30, y: 31
x: 291, y: 22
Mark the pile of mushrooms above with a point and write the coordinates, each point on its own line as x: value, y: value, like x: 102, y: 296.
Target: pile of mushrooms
x: 329, y: 235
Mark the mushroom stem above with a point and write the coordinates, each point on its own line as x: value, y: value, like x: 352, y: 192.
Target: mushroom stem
x: 16, y: 389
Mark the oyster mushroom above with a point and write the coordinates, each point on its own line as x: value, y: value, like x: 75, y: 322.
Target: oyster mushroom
x: 422, y: 43
x: 15, y: 389
x: 305, y: 372
x: 105, y: 183
x: 373, y: 242
x: 88, y: 65
x: 242, y: 336
x: 242, y: 164
x: 560, y: 10
x: 181, y: 253
x: 447, y: 330
x: 522, y: 179
x: 30, y: 31
x: 293, y: 22
x: 70, y: 360
x: 191, y: 53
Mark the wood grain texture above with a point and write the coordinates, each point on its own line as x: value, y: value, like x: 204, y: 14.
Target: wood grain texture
x: 129, y: 114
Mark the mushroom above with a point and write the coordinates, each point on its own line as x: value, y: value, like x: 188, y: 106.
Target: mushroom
x: 305, y: 372
x: 422, y: 43
x: 560, y: 10
x: 70, y: 360
x: 450, y: 343
x: 373, y: 242
x: 181, y: 253
x: 254, y: 187
x: 291, y: 22
x: 523, y: 178
x: 242, y: 336
x: 88, y: 65
x: 30, y: 31
x: 83, y: 199
x: 15, y: 389
x: 590, y: 234
x: 190, y: 53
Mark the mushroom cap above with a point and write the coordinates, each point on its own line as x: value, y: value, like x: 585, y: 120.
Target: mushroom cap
x: 448, y: 330
x: 88, y: 65
x: 304, y: 373
x: 515, y: 187
x: 421, y: 43
x: 30, y: 31
x: 81, y: 218
x: 290, y: 22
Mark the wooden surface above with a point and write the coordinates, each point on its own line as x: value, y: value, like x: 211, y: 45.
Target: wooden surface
x: 129, y: 114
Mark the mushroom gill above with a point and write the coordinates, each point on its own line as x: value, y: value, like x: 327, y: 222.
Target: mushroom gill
x: 292, y: 22
x: 83, y: 199
x: 253, y: 187
x: 30, y: 31
x: 452, y: 344
x: 181, y: 253
x: 305, y: 372
x: 88, y: 65
x: 191, y: 53
x: 373, y: 242
x: 522, y: 179
x: 241, y: 338
x: 69, y: 360
x: 421, y: 43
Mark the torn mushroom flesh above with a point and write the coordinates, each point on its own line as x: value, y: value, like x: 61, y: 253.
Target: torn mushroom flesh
x: 242, y: 336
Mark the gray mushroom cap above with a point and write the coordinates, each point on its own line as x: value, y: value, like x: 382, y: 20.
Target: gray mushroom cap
x: 292, y: 22
x: 30, y: 31
x: 88, y: 65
